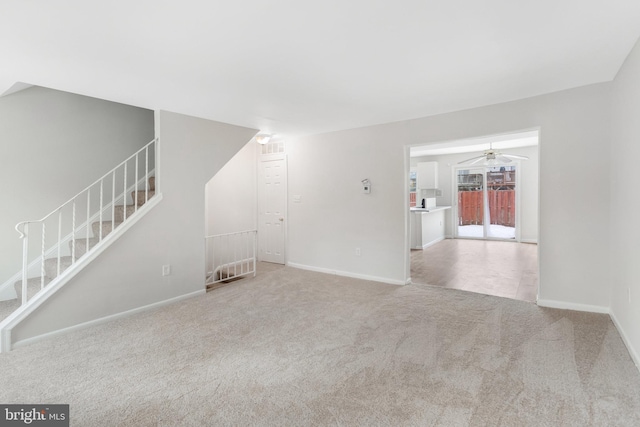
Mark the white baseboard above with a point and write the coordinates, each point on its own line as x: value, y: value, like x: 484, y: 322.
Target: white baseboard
x: 433, y: 242
x: 573, y: 306
x: 346, y: 274
x: 596, y: 309
x: 107, y: 318
x: 632, y: 351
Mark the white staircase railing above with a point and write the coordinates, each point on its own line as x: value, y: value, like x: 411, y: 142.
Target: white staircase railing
x: 230, y: 255
x: 64, y: 236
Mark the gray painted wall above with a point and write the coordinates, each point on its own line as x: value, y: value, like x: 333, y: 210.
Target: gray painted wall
x: 335, y: 217
x: 231, y: 203
x: 52, y: 145
x: 128, y: 274
x: 231, y: 195
x: 625, y: 204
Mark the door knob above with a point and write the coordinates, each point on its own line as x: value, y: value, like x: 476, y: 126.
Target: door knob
x: 281, y: 219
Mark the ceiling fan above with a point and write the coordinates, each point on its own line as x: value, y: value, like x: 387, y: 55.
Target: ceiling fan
x: 492, y: 157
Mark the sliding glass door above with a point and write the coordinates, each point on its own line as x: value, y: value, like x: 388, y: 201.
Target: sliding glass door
x: 486, y: 202
x: 501, y: 194
x: 471, y: 203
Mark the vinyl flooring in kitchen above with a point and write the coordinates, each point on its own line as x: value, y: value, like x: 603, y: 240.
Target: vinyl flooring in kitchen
x: 504, y: 269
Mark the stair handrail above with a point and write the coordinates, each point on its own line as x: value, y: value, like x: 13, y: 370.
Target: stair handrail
x: 82, y: 191
x: 23, y: 227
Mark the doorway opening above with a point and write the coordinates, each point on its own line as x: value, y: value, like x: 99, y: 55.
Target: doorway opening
x: 230, y: 220
x: 489, y: 238
x: 245, y: 222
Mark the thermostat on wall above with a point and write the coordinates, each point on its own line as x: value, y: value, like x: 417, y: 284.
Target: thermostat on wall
x: 366, y: 186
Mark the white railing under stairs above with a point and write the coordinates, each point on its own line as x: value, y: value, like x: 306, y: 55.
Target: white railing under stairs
x: 63, y: 237
x: 231, y: 255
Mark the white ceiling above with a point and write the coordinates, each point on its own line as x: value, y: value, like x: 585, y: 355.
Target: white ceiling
x: 471, y: 145
x: 296, y: 67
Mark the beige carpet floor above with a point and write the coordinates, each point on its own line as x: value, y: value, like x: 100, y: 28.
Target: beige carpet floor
x: 297, y: 348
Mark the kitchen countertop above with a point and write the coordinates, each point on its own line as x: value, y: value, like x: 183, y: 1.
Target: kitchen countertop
x: 427, y: 210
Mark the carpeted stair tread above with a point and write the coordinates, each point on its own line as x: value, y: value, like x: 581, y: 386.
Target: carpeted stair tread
x: 120, y: 209
x: 107, y: 227
x: 8, y: 307
x: 51, y: 266
x: 142, y: 196
x: 33, y: 287
x: 81, y: 245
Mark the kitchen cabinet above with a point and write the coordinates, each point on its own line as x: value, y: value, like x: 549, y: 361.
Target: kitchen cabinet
x: 427, y: 226
x: 427, y: 175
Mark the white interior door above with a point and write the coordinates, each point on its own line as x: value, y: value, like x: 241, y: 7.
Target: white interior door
x: 272, y: 203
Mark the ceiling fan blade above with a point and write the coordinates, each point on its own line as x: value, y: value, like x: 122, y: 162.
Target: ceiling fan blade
x: 472, y: 160
x: 516, y: 156
x: 478, y: 160
x: 502, y: 158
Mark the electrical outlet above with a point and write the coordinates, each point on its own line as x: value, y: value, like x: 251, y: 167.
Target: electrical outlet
x: 358, y: 252
x: 166, y: 270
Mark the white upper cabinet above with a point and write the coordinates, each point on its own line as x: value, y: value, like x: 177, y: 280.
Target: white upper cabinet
x: 427, y: 175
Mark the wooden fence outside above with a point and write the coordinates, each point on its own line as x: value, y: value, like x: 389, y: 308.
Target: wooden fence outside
x: 502, y: 207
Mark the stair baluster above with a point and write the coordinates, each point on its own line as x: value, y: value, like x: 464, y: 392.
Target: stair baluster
x: 25, y: 260
x: 88, y: 216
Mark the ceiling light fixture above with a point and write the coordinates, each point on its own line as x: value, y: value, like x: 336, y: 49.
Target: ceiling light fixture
x: 492, y: 157
x: 263, y: 138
